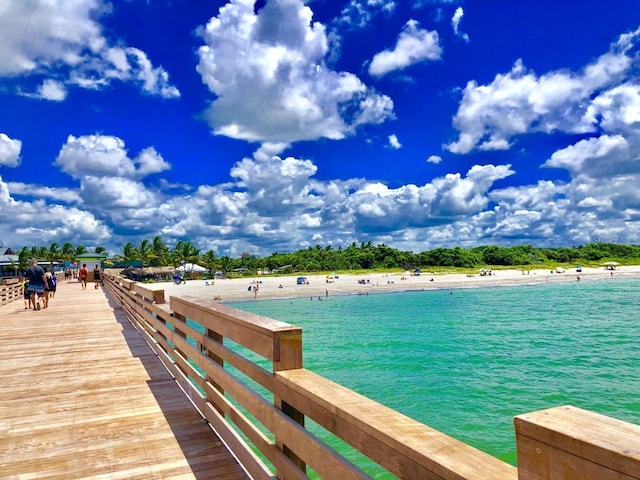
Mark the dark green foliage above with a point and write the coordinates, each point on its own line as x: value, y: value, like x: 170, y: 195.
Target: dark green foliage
x: 362, y: 256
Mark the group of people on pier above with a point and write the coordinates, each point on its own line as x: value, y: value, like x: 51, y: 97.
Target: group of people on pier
x: 39, y: 285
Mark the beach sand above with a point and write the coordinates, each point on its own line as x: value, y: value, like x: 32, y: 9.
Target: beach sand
x: 240, y: 289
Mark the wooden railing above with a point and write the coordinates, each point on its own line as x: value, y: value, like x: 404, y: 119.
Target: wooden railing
x: 10, y: 290
x: 268, y: 401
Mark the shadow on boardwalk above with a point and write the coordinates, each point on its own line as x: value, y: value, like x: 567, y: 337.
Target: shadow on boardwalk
x: 83, y: 396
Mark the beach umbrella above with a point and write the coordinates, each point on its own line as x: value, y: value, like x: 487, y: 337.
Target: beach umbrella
x: 191, y: 267
x: 611, y: 264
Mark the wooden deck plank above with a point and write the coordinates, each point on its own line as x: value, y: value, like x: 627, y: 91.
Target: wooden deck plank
x: 83, y: 395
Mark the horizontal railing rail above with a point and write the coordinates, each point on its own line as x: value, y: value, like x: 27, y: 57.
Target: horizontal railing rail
x: 10, y: 290
x: 247, y: 370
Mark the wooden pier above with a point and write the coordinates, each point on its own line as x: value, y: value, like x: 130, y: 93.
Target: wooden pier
x: 122, y: 383
x: 82, y: 395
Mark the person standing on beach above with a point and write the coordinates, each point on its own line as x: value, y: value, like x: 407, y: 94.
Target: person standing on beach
x: 83, y: 276
x: 37, y: 281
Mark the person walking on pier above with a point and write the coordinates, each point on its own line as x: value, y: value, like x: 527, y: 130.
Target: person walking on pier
x: 96, y: 276
x: 54, y: 284
x: 48, y: 285
x: 83, y: 276
x: 37, y: 282
x: 25, y: 293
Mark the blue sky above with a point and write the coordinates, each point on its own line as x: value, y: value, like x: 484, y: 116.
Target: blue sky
x: 270, y: 126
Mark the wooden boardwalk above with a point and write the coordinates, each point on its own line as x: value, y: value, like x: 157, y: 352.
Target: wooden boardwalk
x: 83, y: 396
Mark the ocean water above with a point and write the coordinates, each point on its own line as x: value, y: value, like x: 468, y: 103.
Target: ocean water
x: 467, y: 361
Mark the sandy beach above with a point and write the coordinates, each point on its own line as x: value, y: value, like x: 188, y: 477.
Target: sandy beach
x: 320, y: 286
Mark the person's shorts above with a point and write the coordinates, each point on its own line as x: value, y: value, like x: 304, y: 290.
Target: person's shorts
x: 26, y: 294
x: 38, y: 289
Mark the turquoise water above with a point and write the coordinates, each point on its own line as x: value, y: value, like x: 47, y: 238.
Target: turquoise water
x: 466, y: 363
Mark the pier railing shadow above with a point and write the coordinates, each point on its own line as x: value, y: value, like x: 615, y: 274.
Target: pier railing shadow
x: 245, y: 375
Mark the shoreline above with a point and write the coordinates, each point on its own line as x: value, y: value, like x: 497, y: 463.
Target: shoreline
x: 285, y: 287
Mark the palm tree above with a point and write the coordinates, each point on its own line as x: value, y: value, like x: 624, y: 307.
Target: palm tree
x: 129, y: 252
x: 145, y: 252
x: 160, y: 252
x: 80, y: 249
x: 185, y: 252
x: 23, y: 258
x: 226, y: 262
x: 100, y: 250
x: 67, y: 252
x: 53, y: 254
x: 210, y: 260
x: 41, y: 253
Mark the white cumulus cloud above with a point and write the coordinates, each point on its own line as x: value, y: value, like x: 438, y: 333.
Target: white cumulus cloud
x: 270, y: 79
x: 9, y: 151
x: 519, y: 102
x: 106, y: 156
x: 414, y: 45
x: 62, y: 42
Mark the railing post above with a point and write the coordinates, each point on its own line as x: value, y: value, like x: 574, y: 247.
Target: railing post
x: 158, y: 297
x: 288, y: 356
x: 568, y: 442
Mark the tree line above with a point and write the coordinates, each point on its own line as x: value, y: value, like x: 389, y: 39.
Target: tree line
x: 357, y: 256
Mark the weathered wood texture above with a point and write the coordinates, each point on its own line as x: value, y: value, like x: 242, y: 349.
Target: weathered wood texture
x: 10, y: 290
x: 402, y: 445
x: 568, y: 442
x: 83, y: 395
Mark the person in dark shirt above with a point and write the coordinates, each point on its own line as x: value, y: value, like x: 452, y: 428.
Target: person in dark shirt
x: 96, y: 276
x: 37, y: 282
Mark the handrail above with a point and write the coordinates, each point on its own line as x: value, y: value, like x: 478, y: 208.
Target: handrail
x: 10, y: 290
x: 262, y: 388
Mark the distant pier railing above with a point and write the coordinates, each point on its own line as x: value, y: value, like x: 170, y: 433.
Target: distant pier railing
x: 10, y: 290
x: 264, y: 391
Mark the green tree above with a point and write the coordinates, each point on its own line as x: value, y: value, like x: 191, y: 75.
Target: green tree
x: 185, y: 252
x: 129, y: 252
x: 226, y: 263
x: 53, y: 254
x: 145, y: 252
x: 210, y: 260
x: 160, y: 252
x: 23, y: 258
x: 68, y: 252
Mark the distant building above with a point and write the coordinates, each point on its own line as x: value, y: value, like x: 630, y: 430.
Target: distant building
x: 9, y: 263
x: 91, y: 260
